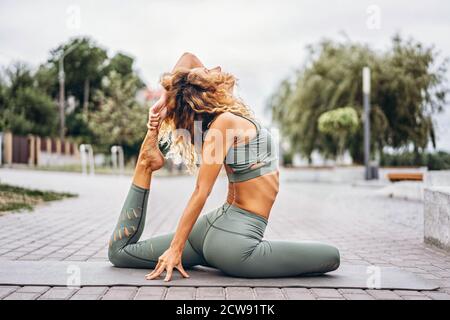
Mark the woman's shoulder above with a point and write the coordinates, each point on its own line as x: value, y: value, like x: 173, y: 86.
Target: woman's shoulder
x: 225, y: 120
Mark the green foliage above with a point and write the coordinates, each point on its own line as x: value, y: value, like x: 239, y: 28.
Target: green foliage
x: 288, y: 159
x: 25, y: 108
x: 434, y: 161
x: 339, y: 124
x: 407, y: 89
x: 120, y: 119
x: 29, y: 100
x: 339, y: 121
x: 28, y: 110
x: 85, y: 62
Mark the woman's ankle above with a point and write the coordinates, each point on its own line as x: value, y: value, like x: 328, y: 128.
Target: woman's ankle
x: 142, y: 175
x: 150, y: 157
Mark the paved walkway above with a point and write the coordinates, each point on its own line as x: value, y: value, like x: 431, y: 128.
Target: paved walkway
x: 367, y: 228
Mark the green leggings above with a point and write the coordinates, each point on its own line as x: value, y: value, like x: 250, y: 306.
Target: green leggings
x: 228, y: 238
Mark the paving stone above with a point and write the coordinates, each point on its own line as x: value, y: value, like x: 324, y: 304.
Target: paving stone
x: 384, y: 294
x: 7, y: 290
x: 180, y: 293
x: 239, y: 293
x: 92, y: 290
x: 298, y: 294
x: 436, y: 295
x: 22, y: 296
x: 13, y: 254
x: 85, y: 297
x: 269, y: 294
x: 351, y: 291
x: 58, y: 293
x: 358, y: 296
x: 34, y: 289
x: 326, y: 293
x: 151, y: 293
x: 210, y: 293
x: 416, y: 297
x: 408, y: 293
x: 120, y: 293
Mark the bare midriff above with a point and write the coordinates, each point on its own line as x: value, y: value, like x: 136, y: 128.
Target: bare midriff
x: 256, y: 195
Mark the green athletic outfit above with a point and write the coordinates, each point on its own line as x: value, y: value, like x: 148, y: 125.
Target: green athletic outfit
x: 228, y: 238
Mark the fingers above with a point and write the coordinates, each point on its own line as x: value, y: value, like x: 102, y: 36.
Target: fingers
x: 154, y: 117
x: 169, y: 273
x: 160, y: 269
x: 156, y: 273
x: 152, y: 125
x: 182, y: 271
x: 153, y: 121
x: 156, y: 267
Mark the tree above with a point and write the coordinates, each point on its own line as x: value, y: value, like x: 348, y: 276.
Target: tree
x: 25, y: 109
x: 103, y: 86
x: 408, y: 87
x: 120, y: 119
x: 3, y: 102
x: 339, y: 124
x: 83, y: 68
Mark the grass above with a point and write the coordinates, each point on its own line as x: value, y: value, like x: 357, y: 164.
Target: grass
x: 14, y: 198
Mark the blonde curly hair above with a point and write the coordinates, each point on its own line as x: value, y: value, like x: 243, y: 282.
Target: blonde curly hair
x: 191, y: 97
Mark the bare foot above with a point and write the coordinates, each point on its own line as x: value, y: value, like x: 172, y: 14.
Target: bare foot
x: 150, y: 156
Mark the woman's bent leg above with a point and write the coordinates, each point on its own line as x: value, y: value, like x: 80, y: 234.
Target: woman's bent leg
x: 290, y: 258
x: 124, y: 249
x: 234, y: 244
x: 267, y: 259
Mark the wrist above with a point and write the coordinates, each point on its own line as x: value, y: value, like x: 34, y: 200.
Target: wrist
x: 177, y: 247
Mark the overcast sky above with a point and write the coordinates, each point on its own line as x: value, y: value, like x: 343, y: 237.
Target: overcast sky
x: 260, y: 41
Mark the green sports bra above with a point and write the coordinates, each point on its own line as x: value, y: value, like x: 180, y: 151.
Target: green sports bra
x: 253, y: 159
x: 246, y: 161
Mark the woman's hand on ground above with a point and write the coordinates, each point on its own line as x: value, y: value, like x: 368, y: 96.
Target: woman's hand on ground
x: 169, y: 260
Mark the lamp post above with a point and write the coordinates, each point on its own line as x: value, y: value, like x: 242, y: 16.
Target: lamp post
x: 366, y: 100
x: 62, y: 98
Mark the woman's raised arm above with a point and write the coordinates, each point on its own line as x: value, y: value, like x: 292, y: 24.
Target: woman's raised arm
x: 187, y: 60
x: 217, y: 142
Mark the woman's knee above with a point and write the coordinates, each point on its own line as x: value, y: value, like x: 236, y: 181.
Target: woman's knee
x: 333, y: 259
x: 113, y: 256
x: 117, y: 257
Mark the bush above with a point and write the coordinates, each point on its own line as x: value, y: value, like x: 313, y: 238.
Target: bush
x: 438, y: 161
x: 288, y: 159
x: 433, y: 161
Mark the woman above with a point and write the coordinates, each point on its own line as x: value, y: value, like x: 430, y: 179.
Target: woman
x: 230, y: 237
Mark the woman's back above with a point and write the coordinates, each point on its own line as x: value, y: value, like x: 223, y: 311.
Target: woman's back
x: 252, y: 168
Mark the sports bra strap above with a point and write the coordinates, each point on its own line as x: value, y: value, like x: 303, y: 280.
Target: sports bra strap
x: 255, y: 123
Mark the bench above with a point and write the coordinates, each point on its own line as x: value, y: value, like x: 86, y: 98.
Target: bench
x: 394, y: 177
